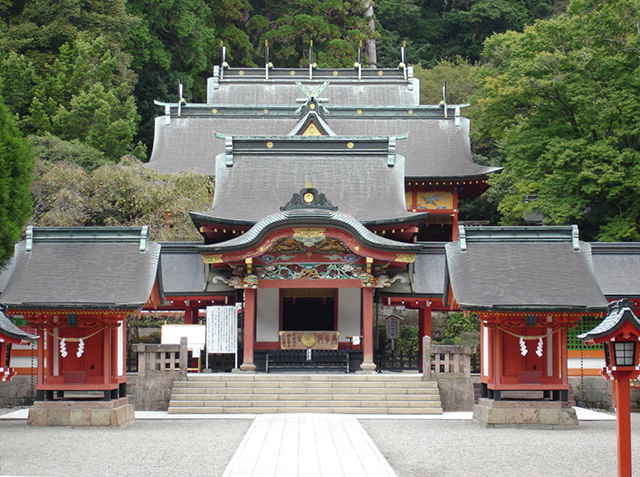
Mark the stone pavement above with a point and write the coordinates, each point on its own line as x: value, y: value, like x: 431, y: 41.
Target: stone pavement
x: 284, y: 445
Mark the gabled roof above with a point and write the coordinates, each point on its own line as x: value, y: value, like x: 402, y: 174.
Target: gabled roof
x: 617, y: 267
x: 522, y: 269
x: 361, y: 176
x: 7, y: 328
x: 302, y: 217
x: 88, y: 267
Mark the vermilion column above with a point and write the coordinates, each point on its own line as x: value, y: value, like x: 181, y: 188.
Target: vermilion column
x: 367, y: 330
x: 249, y: 328
x: 623, y: 414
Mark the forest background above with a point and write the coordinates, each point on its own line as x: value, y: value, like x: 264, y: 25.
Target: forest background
x: 554, y: 92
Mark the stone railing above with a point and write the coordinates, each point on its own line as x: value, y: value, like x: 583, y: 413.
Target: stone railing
x: 159, y: 365
x: 450, y: 365
x: 449, y: 359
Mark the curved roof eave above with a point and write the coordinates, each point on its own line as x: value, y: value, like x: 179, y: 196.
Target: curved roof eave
x: 320, y: 217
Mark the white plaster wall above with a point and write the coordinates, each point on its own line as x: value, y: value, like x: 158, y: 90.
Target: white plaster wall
x: 268, y: 314
x: 121, y: 339
x: 348, y: 312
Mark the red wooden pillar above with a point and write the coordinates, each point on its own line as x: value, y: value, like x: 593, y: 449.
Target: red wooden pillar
x: 188, y: 313
x: 249, y: 328
x: 43, y: 336
x: 623, y: 413
x: 367, y: 330
x: 106, y: 359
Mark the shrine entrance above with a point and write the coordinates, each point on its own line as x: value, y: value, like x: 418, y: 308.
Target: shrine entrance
x: 308, y: 310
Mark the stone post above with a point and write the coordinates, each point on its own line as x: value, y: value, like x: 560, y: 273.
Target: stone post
x: 426, y: 358
x: 184, y: 357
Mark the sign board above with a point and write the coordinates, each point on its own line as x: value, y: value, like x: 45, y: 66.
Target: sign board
x: 222, y: 329
x: 393, y: 327
x: 195, y: 334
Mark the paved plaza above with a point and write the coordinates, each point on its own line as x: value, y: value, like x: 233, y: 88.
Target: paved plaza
x: 323, y: 445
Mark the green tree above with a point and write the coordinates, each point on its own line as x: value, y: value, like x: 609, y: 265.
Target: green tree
x: 16, y: 164
x: 440, y: 29
x: 561, y: 103
x: 127, y: 193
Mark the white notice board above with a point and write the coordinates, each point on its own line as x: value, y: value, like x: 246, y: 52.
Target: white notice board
x: 222, y: 329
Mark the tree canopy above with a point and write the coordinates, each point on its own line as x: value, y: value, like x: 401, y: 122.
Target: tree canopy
x: 561, y: 103
x: 16, y: 164
x: 123, y: 194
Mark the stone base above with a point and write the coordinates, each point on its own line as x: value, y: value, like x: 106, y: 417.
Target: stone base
x: 117, y: 413
x: 525, y: 414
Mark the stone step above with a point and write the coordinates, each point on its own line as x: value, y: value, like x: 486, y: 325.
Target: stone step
x: 323, y: 410
x: 260, y: 390
x: 328, y: 403
x: 276, y: 393
x: 307, y: 397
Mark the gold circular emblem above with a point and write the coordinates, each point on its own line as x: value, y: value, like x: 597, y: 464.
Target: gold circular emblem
x: 380, y: 73
x: 214, y: 111
x: 308, y: 197
x: 410, y: 112
x: 335, y: 73
x: 359, y: 111
x: 308, y: 340
x: 269, y: 144
x: 241, y: 72
x: 350, y: 145
x: 265, y: 111
x: 293, y: 73
x: 312, y: 106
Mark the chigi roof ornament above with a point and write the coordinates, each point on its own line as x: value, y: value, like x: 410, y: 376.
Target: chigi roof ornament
x: 308, y: 198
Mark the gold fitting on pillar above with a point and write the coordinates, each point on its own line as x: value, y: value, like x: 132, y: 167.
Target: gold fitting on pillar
x: 369, y: 262
x: 249, y: 262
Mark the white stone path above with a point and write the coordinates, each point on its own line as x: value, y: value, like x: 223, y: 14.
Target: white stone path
x: 307, y: 445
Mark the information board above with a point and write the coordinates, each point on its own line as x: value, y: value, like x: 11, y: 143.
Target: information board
x: 222, y: 329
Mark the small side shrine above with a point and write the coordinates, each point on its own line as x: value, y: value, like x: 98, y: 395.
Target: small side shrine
x: 540, y: 283
x: 10, y: 335
x: 77, y: 286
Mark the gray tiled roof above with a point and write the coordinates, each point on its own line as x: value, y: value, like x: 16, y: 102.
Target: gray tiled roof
x: 428, y: 270
x: 258, y: 185
x: 183, y: 271
x: 303, y: 216
x: 523, y: 275
x: 11, y: 330
x: 435, y: 148
x: 617, y: 268
x: 90, y: 267
x: 252, y: 88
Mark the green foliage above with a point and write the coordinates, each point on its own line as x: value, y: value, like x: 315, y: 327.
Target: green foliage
x: 461, y: 85
x: 560, y: 102
x: 16, y: 164
x: 127, y: 193
x: 440, y: 29
x: 51, y: 148
x: 459, y: 323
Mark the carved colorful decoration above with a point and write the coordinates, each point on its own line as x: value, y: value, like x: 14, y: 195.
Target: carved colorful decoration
x: 212, y: 259
x: 406, y: 257
x: 295, y: 272
x: 307, y: 241
x: 249, y: 281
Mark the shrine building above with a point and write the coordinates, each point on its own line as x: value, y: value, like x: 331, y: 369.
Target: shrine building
x: 326, y: 183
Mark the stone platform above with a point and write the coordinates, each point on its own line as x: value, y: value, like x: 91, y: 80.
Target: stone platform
x: 116, y: 413
x: 532, y: 414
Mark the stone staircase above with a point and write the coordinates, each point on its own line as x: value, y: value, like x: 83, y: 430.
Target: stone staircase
x: 232, y: 393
